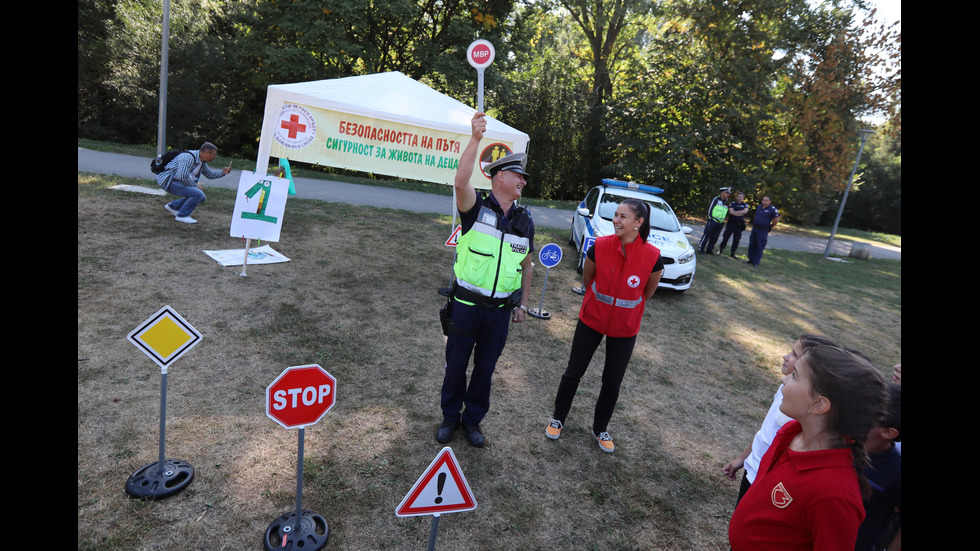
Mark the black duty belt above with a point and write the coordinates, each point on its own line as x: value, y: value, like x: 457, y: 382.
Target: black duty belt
x: 483, y: 301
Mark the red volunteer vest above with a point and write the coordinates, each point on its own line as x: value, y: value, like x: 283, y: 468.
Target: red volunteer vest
x: 613, y: 303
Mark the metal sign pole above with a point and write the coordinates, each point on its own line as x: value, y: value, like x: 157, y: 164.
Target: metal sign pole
x: 163, y: 420
x: 299, y: 530
x: 162, y: 478
x: 164, y: 51
x: 299, y: 481
x: 432, y: 532
x: 549, y: 256
x: 479, y: 86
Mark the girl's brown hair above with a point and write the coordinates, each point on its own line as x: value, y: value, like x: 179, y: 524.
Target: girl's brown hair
x: 856, y: 391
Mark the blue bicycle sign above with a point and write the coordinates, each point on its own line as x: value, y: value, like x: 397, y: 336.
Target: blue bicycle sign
x: 550, y: 255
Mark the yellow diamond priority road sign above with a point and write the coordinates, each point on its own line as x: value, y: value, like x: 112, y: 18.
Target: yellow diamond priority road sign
x: 164, y: 337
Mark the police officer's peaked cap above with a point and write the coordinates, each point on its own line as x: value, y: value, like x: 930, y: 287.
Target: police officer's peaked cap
x: 728, y: 189
x: 515, y: 162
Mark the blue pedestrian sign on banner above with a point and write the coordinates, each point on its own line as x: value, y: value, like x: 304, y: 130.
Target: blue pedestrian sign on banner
x: 550, y: 255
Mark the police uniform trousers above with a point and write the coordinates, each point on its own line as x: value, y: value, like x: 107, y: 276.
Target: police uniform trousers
x: 712, y: 230
x: 757, y: 244
x: 733, y: 230
x: 482, y: 333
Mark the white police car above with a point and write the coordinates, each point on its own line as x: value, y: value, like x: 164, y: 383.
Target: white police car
x: 594, y: 219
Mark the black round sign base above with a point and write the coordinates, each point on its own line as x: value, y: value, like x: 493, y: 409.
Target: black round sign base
x: 150, y: 483
x: 283, y: 536
x: 542, y: 314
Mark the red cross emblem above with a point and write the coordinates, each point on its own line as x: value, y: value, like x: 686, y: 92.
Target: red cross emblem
x: 293, y: 126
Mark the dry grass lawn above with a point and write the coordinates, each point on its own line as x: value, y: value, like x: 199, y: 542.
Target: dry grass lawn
x: 359, y: 297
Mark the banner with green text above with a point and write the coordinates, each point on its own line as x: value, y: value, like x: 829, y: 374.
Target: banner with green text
x: 354, y: 142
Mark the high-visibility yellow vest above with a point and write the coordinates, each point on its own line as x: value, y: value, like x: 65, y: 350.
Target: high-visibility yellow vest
x: 488, y: 260
x: 719, y: 211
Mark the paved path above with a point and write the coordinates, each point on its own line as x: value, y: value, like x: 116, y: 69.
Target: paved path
x: 100, y: 162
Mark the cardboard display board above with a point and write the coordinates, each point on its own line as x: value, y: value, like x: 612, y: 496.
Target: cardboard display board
x: 259, y: 207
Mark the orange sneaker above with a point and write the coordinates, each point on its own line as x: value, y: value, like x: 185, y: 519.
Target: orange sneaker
x: 554, y: 429
x: 605, y: 442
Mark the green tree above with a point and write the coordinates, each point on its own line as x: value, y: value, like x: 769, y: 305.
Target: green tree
x: 610, y: 29
x: 698, y: 118
x: 93, y: 68
x: 875, y: 202
x: 835, y: 78
x: 206, y: 100
x: 425, y: 39
x: 544, y: 95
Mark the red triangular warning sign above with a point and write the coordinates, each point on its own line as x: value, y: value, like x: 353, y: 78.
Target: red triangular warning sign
x: 454, y: 238
x: 442, y: 488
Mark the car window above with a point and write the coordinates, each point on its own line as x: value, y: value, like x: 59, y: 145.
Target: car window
x: 662, y: 217
x: 590, y: 200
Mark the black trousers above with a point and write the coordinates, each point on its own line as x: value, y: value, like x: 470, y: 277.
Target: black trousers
x: 733, y: 231
x: 584, y: 345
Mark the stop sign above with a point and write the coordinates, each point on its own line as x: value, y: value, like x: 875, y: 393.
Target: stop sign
x: 300, y: 396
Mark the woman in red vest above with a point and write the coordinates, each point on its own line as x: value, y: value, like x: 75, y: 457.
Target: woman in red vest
x: 620, y: 275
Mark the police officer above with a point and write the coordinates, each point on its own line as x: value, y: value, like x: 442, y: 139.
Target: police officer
x: 717, y: 212
x: 492, y: 284
x: 736, y: 223
x: 765, y: 219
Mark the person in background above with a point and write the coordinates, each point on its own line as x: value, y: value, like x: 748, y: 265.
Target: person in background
x: 717, y: 211
x: 181, y: 177
x: 808, y: 492
x: 883, y: 508
x: 765, y: 219
x: 736, y: 223
x: 620, y: 275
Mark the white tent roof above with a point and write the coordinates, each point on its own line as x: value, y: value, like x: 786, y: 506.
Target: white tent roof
x: 390, y: 96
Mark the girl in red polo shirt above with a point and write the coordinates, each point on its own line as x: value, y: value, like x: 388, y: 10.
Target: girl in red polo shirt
x: 807, y: 494
x: 620, y: 275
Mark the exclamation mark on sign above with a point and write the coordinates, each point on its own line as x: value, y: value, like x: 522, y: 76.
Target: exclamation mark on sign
x: 439, y: 484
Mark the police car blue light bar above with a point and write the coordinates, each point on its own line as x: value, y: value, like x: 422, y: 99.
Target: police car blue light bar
x: 631, y: 185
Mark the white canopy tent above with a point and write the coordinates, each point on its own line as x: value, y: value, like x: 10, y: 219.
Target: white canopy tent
x: 384, y: 123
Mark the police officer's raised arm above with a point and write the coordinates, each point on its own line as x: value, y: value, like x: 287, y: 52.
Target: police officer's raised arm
x: 465, y: 192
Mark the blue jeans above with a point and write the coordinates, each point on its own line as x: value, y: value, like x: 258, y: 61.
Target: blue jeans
x: 190, y: 196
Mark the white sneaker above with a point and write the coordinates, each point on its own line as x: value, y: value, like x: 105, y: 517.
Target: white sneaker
x: 186, y: 219
x: 169, y: 209
x: 605, y: 442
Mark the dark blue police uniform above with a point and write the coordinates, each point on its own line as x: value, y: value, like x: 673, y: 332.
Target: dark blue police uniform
x: 761, y: 225
x: 716, y: 221
x: 733, y: 228
x: 480, y: 330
